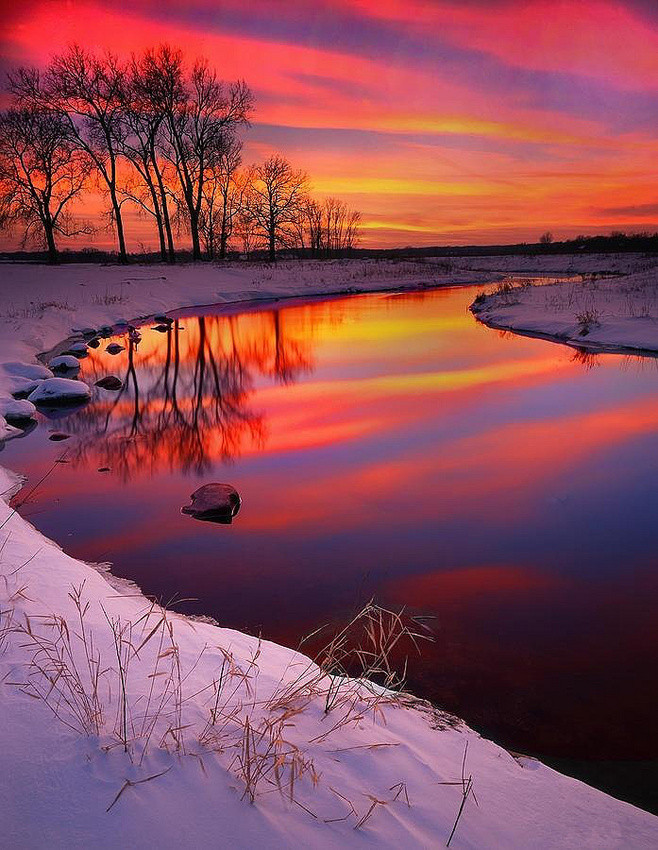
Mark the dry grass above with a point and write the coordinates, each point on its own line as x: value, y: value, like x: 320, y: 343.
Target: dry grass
x: 141, y: 696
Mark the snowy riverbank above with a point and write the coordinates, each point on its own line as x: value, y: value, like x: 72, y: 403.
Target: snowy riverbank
x: 126, y: 726
x: 617, y: 313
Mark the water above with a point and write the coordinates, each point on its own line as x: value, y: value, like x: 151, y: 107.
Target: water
x: 388, y: 446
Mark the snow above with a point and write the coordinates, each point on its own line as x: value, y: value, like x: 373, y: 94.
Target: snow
x: 59, y: 391
x: 596, y: 314
x: 74, y: 786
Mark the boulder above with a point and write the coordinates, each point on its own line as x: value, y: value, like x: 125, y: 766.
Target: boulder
x: 115, y: 348
x: 22, y: 387
x: 65, y: 363
x: 31, y: 371
x: 214, y: 503
x: 59, y: 391
x: 94, y: 343
x: 16, y: 411
x: 110, y: 382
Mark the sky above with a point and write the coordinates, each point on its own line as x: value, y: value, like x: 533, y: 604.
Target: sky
x: 443, y: 121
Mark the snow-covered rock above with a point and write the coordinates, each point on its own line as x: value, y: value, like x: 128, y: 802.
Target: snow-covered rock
x: 21, y: 387
x: 15, y: 410
x: 30, y: 371
x: 64, y: 363
x: 55, y: 391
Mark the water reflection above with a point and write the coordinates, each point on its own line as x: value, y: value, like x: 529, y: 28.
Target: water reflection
x: 185, y: 400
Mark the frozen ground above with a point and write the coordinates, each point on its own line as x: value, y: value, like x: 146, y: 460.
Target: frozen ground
x: 617, y: 313
x: 122, y: 725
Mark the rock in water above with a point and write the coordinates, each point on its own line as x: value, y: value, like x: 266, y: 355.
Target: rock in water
x: 214, y: 503
x: 78, y: 349
x: 65, y: 363
x: 56, y: 391
x: 110, y: 382
x: 114, y: 348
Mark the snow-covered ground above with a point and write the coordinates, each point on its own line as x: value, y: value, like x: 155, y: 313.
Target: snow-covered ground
x: 122, y: 725
x: 617, y: 313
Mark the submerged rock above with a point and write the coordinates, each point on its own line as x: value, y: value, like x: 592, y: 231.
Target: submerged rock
x: 65, y: 363
x: 59, y: 391
x: 214, y: 503
x: 110, y: 382
x: 114, y: 348
x: 161, y: 328
x: 94, y: 343
x: 58, y: 436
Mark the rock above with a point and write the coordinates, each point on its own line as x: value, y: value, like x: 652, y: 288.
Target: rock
x: 162, y: 319
x: 105, y: 331
x: 110, y: 382
x: 31, y: 371
x: 65, y: 363
x: 161, y: 328
x: 16, y: 411
x: 115, y: 348
x: 22, y: 387
x: 94, y: 343
x: 59, y: 391
x: 78, y: 349
x: 58, y: 436
x: 104, y: 469
x: 214, y: 503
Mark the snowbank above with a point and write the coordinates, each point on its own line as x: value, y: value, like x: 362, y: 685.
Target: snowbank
x: 123, y: 725
x: 596, y: 314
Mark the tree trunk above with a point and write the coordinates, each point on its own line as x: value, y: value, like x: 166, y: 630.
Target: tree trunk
x: 53, y: 256
x: 165, y: 209
x: 272, y: 246
x: 196, y: 244
x: 123, y: 256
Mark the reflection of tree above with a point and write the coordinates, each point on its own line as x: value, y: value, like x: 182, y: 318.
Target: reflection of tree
x: 185, y: 397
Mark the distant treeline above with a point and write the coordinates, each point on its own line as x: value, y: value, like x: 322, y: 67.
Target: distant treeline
x: 164, y: 137
x: 612, y: 244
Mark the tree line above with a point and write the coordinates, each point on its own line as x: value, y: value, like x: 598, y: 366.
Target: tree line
x: 164, y: 136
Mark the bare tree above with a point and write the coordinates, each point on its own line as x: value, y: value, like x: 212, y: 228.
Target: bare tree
x: 222, y: 200
x: 85, y: 90
x: 340, y: 226
x: 41, y: 171
x: 202, y: 114
x: 546, y: 238
x: 275, y: 196
x: 143, y: 121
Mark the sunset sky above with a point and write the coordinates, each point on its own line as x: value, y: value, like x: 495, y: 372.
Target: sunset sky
x: 443, y: 121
